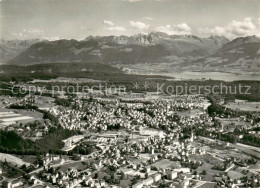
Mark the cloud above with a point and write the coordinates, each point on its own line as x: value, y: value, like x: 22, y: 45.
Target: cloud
x: 33, y: 34
x: 248, y: 19
x: 133, y: 1
x: 29, y: 33
x: 234, y: 29
x: 112, y: 27
x: 139, y: 25
x: 148, y: 18
x: 51, y: 38
x: 108, y: 22
x: 178, y: 29
x: 115, y: 28
x: 34, y: 31
x: 182, y: 27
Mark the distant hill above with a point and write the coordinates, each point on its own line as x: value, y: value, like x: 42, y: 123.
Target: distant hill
x: 183, y: 52
x: 94, y: 71
x: 9, y: 49
x: 154, y: 47
x: 242, y: 53
x: 74, y: 70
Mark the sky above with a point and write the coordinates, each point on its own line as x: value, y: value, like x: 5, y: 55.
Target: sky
x: 77, y: 19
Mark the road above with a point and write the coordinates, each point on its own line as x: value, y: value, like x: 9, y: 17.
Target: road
x: 229, y: 168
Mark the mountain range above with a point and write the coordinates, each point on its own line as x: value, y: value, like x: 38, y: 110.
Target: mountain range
x: 240, y: 54
x: 11, y: 48
x: 184, y: 51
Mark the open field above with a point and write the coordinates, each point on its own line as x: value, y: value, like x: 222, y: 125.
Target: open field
x: 4, y: 100
x: 177, y: 73
x: 192, y: 112
x: 210, y: 172
x: 244, y: 105
x: 12, y: 159
x: 27, y: 158
x: 66, y: 80
x: 232, y: 123
x: 75, y: 164
x: 247, y: 150
x: 212, y: 75
x: 9, y: 117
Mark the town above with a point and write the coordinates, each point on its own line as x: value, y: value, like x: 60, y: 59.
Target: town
x: 129, y: 93
x: 128, y: 139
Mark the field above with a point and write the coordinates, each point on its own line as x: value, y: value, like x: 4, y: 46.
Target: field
x: 12, y: 159
x: 4, y: 100
x: 75, y: 165
x: 244, y: 105
x: 210, y: 172
x: 232, y: 123
x: 255, y: 167
x: 66, y: 80
x: 178, y: 73
x: 9, y: 117
x: 192, y: 112
x: 27, y: 158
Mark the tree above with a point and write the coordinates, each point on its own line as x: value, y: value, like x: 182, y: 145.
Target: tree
x: 95, y: 176
x: 204, y: 172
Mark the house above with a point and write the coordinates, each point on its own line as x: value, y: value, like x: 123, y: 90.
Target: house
x: 53, y: 179
x: 16, y: 183
x: 148, y: 181
x: 33, y: 180
x: 157, y: 177
x: 147, y: 169
x: 185, y: 183
x: 138, y: 185
x: 184, y: 170
x: 172, y: 175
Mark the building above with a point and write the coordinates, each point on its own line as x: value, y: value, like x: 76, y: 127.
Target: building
x: 185, y: 183
x: 16, y: 183
x: 172, y: 175
x: 138, y: 185
x: 157, y: 177
x: 148, y: 181
x: 183, y: 170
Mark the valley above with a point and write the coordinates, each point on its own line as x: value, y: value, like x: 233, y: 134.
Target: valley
x: 179, y: 56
